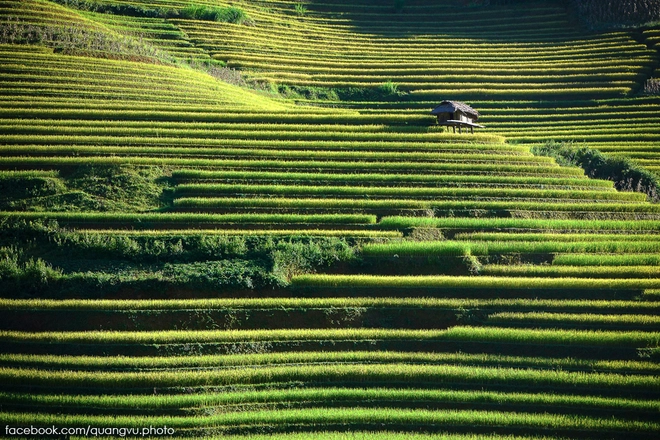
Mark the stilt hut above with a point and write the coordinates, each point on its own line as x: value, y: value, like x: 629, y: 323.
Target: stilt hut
x: 456, y: 114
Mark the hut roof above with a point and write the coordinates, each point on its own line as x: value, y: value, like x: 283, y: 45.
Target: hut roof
x: 452, y: 106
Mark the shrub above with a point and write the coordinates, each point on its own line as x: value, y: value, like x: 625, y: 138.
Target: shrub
x: 473, y: 264
x: 130, y: 10
x: 301, y: 10
x: 607, y: 13
x: 230, y: 14
x: 390, y: 88
x: 305, y: 92
x: 226, y: 74
x: 652, y: 87
x: 233, y: 14
x: 293, y: 258
x: 24, y: 274
x: 236, y: 273
x: 626, y: 175
x: 78, y: 39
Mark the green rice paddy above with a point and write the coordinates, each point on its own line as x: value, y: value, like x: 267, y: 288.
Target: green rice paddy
x: 254, y: 229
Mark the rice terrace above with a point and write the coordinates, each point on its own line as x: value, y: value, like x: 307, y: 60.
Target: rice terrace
x: 334, y: 220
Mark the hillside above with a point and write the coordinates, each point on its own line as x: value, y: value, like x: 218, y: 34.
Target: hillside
x: 241, y: 221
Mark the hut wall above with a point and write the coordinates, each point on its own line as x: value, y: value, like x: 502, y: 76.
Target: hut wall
x: 460, y: 116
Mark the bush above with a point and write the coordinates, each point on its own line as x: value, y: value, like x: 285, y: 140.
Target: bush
x: 652, y: 87
x: 110, y: 262
x: 388, y: 91
x: 77, y: 39
x: 230, y: 14
x: 294, y: 258
x: 226, y: 74
x: 301, y: 10
x: 116, y: 9
x: 13, y: 188
x: 305, y: 92
x: 390, y: 88
x: 24, y: 275
x: 235, y: 274
x: 607, y: 13
x: 626, y: 175
x: 594, y: 13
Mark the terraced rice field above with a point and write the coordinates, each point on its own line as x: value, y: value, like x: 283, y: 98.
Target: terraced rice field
x: 184, y: 254
x: 513, y: 74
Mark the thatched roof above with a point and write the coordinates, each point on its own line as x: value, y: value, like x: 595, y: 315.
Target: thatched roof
x: 452, y: 106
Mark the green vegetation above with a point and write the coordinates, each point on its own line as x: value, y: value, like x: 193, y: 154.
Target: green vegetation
x: 25, y: 273
x: 604, y: 306
x: 151, y: 218
x: 300, y: 9
x: 240, y: 220
x: 626, y: 175
x: 449, y: 282
x: 121, y: 363
x: 230, y: 14
x: 319, y: 395
x: 456, y: 333
x: 573, y: 271
x: 553, y: 237
x: 567, y: 319
x: 609, y: 13
x: 522, y: 223
x: 607, y: 260
x: 390, y: 179
x: 459, y: 248
x: 192, y: 259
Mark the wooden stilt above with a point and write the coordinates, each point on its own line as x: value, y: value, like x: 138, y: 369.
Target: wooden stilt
x: 457, y: 114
